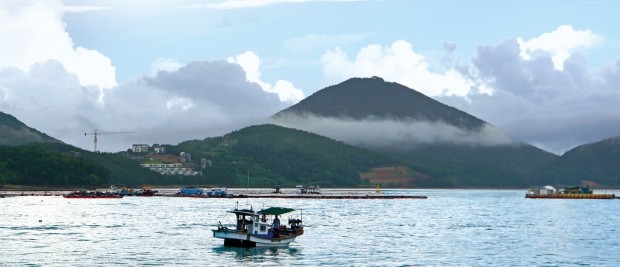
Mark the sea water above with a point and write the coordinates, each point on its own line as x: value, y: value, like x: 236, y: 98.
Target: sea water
x: 450, y: 228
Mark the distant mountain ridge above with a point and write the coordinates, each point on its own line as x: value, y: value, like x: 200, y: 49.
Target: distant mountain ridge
x: 272, y: 155
x: 591, y: 164
x: 14, y: 133
x: 439, y: 141
x: 361, y: 98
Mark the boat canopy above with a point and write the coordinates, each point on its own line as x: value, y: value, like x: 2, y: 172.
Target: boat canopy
x: 275, y: 211
x: 243, y: 211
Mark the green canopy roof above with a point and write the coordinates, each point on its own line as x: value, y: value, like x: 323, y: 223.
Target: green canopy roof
x: 275, y: 211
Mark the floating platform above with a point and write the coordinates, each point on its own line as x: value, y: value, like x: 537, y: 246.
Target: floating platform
x: 573, y: 196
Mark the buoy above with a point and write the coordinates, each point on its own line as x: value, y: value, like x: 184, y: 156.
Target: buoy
x: 378, y: 190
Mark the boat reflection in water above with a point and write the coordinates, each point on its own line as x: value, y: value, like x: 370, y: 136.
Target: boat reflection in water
x: 249, y: 253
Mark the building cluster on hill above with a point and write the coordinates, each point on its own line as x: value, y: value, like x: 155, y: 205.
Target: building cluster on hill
x: 166, y: 164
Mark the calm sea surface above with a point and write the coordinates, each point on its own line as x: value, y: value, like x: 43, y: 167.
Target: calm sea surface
x: 450, y: 228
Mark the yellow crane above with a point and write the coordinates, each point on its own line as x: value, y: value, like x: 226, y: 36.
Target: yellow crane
x: 95, y: 133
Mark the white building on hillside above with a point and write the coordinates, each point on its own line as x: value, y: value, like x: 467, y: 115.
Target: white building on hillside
x: 140, y: 148
x: 159, y: 149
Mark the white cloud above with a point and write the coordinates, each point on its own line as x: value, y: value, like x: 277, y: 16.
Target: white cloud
x: 36, y: 33
x: 397, y: 63
x: 198, y: 100
x: 250, y: 62
x: 45, y: 79
x: 49, y: 99
x: 559, y: 43
x: 165, y: 64
x: 181, y: 102
x: 535, y: 101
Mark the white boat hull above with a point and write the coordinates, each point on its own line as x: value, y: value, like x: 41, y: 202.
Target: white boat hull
x: 240, y: 239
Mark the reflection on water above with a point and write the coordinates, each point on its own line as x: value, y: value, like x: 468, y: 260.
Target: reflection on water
x: 252, y: 253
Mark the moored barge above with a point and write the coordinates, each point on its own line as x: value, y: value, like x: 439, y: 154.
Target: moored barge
x: 567, y: 193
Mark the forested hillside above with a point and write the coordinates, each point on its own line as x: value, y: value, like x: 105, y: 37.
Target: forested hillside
x: 271, y: 155
x: 33, y: 165
x: 590, y: 164
x: 57, y: 164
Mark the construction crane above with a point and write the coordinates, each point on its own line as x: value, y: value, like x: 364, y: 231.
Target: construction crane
x: 95, y: 133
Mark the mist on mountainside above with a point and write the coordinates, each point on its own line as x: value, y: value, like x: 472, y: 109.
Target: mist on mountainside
x: 13, y: 132
x: 375, y: 132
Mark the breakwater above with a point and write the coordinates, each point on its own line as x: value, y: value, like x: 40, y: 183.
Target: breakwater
x: 251, y: 193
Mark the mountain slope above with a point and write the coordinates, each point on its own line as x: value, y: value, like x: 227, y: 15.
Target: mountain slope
x: 361, y: 98
x: 29, y: 157
x: 451, y: 146
x: 14, y: 133
x: 589, y: 164
x: 269, y: 155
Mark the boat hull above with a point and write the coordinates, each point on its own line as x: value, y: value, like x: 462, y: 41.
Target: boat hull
x: 240, y: 239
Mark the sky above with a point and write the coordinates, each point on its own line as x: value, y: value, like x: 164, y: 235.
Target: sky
x: 162, y: 72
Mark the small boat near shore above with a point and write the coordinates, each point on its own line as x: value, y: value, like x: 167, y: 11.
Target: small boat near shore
x: 566, y: 193
x: 91, y: 194
x: 260, y: 228
x: 144, y: 192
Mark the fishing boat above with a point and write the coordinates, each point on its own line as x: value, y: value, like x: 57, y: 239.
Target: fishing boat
x: 260, y: 228
x: 91, y: 194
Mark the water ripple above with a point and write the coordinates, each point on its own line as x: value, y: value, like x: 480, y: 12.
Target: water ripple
x: 450, y: 228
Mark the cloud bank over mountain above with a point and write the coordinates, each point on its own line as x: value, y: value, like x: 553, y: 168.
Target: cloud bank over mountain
x: 540, y: 90
x: 393, y: 133
x: 554, y: 106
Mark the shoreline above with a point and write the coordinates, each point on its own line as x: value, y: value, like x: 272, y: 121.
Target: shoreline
x: 167, y: 187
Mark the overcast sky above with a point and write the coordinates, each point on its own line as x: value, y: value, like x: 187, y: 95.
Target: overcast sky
x: 545, y: 72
